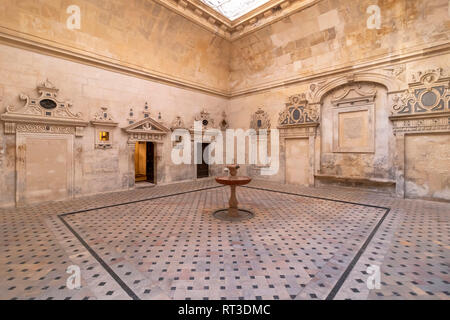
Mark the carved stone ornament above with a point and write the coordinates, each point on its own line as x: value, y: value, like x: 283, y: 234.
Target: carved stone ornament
x: 260, y: 120
x: 103, y: 118
x: 425, y: 105
x: 354, y: 95
x: 205, y: 118
x: 45, y: 113
x: 103, y: 123
x: 147, y: 129
x: 224, y: 123
x: 427, y: 93
x: 177, y: 123
x: 298, y: 112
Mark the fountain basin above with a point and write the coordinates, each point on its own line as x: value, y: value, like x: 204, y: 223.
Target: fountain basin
x: 233, y: 213
x: 234, y: 180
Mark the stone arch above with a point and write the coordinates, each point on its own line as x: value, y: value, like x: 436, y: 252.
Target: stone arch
x: 319, y: 91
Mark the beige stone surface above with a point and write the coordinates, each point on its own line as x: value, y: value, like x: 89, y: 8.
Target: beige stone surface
x: 320, y: 51
x: 47, y: 167
x: 333, y: 34
x: 427, y: 166
x: 297, y: 161
x: 96, y: 170
x: 140, y: 34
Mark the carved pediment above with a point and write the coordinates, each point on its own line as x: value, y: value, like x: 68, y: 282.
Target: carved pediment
x: 103, y: 118
x: 147, y: 125
x: 428, y: 94
x: 354, y: 94
x: 46, y: 110
x: 298, y: 112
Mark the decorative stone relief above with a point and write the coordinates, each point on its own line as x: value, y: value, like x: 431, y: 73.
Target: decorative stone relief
x: 146, y: 129
x: 224, y: 123
x: 423, y: 108
x: 205, y: 118
x: 260, y: 120
x: 103, y: 123
x: 396, y: 71
x: 177, y: 123
x: 298, y: 112
x: 354, y: 119
x: 427, y: 94
x: 43, y: 114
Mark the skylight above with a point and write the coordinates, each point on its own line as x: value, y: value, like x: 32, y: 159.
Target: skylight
x: 233, y: 9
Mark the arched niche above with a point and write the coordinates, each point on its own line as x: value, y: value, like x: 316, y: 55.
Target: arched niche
x: 355, y: 134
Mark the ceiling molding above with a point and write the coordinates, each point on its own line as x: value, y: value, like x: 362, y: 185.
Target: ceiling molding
x: 201, y: 14
x: 54, y: 49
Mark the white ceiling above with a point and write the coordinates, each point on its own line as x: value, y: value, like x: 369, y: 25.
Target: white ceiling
x: 233, y: 9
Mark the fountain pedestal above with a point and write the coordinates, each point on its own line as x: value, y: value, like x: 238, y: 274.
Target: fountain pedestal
x: 233, y: 213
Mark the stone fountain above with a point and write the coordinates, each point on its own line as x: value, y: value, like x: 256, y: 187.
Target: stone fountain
x: 233, y: 213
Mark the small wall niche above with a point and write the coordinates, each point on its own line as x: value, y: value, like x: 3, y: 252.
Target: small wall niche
x: 103, y: 128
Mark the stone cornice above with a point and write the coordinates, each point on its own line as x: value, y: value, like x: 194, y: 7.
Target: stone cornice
x: 28, y: 42
x: 201, y: 14
x: 369, y: 63
x: 51, y: 48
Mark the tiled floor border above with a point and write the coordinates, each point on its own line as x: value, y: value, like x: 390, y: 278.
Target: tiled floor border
x: 134, y: 296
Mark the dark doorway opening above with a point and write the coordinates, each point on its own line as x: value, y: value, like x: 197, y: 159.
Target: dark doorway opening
x: 145, y: 161
x: 202, y: 168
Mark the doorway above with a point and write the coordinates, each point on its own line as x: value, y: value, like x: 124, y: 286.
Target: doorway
x: 202, y: 168
x: 297, y: 161
x: 144, y: 161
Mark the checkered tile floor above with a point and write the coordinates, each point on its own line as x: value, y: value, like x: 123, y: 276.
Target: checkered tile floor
x: 163, y: 243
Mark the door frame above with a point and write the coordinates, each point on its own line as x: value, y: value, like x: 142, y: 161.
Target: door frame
x: 309, y: 183
x: 306, y: 131
x: 196, y: 165
x: 154, y: 159
x: 21, y: 145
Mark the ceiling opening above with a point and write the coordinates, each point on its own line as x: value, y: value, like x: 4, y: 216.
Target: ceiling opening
x: 233, y: 9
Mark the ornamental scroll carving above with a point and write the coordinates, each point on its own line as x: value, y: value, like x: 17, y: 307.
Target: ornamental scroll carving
x: 425, y: 105
x: 205, y: 118
x: 43, y: 114
x: 260, y: 120
x: 427, y: 94
x: 298, y: 112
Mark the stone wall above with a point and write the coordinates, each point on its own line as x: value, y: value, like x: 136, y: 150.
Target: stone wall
x: 135, y: 34
x: 332, y: 35
x: 89, y: 88
x: 375, y: 168
x: 131, y: 52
